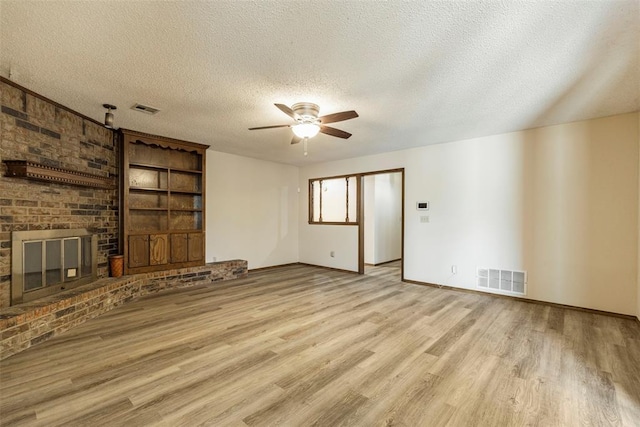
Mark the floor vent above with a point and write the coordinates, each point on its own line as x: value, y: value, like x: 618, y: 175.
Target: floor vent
x: 508, y: 282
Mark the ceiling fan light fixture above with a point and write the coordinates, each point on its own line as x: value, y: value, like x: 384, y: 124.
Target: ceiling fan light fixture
x: 306, y: 130
x: 308, y: 124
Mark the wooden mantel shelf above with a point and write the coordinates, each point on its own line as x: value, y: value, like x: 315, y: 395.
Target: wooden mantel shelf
x: 39, y: 172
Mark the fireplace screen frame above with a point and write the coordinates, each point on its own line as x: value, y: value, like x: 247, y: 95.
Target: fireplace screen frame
x: 18, y: 241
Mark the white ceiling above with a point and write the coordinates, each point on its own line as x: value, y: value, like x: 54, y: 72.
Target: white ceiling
x: 418, y: 73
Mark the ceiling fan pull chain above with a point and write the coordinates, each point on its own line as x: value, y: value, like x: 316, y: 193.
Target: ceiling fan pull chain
x: 304, y: 144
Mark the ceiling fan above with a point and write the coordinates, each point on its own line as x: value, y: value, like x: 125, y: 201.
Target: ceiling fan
x: 308, y: 124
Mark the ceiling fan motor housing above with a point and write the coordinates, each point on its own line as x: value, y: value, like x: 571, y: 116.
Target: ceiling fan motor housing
x: 306, y: 112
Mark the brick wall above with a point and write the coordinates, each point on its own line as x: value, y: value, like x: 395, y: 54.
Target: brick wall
x: 40, y: 131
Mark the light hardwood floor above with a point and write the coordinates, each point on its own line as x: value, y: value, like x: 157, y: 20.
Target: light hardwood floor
x: 301, y: 345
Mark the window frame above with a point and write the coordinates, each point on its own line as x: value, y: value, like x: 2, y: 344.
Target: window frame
x: 311, y: 200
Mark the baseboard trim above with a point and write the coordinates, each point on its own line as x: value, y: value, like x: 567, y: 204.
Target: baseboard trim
x: 328, y: 268
x: 386, y: 262
x: 532, y: 301
x: 273, y: 267
x: 270, y: 267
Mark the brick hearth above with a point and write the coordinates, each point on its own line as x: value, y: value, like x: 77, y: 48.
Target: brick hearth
x: 24, y: 325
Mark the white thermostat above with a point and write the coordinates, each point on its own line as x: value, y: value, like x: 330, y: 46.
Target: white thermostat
x: 422, y: 206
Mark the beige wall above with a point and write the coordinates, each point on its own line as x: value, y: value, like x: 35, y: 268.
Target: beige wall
x: 251, y: 210
x: 559, y: 202
x: 579, y: 235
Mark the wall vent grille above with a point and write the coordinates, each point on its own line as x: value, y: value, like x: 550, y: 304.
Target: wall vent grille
x: 145, y: 109
x: 510, y: 282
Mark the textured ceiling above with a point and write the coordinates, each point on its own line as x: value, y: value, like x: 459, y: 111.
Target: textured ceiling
x: 418, y: 73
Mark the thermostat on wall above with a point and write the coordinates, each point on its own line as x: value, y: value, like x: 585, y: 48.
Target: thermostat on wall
x: 422, y: 206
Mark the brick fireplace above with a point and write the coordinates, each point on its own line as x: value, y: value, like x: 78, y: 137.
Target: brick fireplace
x: 41, y: 131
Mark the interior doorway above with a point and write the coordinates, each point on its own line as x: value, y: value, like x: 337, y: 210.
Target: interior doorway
x: 381, y: 229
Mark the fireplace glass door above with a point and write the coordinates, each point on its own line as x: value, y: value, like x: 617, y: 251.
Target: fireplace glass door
x: 32, y: 266
x: 53, y: 264
x: 51, y: 261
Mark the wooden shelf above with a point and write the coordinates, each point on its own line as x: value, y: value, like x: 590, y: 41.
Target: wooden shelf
x: 194, y: 193
x: 164, y: 231
x: 164, y: 168
x: 147, y: 166
x: 164, y: 190
x: 195, y: 172
x: 148, y: 189
x: 39, y: 172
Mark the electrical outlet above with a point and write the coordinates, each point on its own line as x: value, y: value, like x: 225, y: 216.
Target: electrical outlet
x: 454, y: 269
x: 333, y: 254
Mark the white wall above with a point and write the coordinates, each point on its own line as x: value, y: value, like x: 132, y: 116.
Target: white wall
x: 638, y: 296
x: 388, y: 217
x: 370, y: 219
x: 252, y: 210
x: 383, y: 218
x: 560, y: 202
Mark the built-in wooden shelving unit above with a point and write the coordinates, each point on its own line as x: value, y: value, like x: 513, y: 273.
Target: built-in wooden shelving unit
x: 164, y: 199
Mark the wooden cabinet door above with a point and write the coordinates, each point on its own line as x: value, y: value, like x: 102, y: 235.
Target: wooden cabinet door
x: 138, y: 251
x: 159, y: 249
x: 179, y: 247
x: 195, y: 247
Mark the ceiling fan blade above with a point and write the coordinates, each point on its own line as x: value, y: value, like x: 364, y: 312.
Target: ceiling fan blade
x: 338, y: 117
x: 295, y: 139
x: 271, y: 127
x: 288, y: 111
x: 334, y: 132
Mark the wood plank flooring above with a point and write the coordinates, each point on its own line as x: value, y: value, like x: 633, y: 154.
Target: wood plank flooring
x: 304, y: 346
